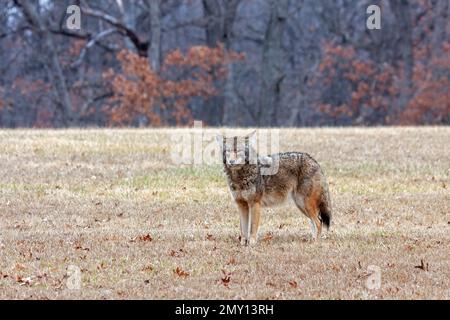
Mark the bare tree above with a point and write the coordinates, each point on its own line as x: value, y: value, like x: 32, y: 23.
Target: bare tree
x: 219, y: 21
x: 155, y: 34
x: 402, y: 13
x: 53, y: 76
x: 51, y: 58
x: 273, y: 63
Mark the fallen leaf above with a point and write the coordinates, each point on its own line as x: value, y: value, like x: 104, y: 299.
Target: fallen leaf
x: 78, y: 246
x: 19, y: 267
x: 210, y: 237
x: 24, y: 280
x: 177, y: 254
x: 293, y: 284
x: 147, y: 268
x: 268, y: 236
x: 226, y: 278
x: 147, y: 237
x: 180, y: 272
x: 409, y: 247
x: 101, y: 266
x: 143, y: 238
x: 423, y: 266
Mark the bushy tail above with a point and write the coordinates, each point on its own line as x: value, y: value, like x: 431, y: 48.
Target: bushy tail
x: 325, y: 212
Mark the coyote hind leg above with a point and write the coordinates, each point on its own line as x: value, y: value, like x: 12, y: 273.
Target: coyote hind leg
x: 312, y: 209
x: 309, y: 207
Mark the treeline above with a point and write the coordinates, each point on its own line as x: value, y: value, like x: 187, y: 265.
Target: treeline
x: 226, y: 62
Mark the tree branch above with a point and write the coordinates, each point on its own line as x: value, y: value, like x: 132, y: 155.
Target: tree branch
x: 140, y: 45
x: 91, y: 43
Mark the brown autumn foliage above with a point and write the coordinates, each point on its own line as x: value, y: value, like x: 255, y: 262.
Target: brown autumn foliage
x: 141, y: 92
x: 180, y: 272
x: 35, y: 94
x: 430, y: 102
x: 370, y: 86
x: 371, y: 89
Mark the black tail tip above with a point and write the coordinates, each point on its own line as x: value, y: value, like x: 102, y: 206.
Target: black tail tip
x: 326, y: 218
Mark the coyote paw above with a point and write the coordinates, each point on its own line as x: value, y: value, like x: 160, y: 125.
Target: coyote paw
x: 252, y: 241
x: 247, y: 242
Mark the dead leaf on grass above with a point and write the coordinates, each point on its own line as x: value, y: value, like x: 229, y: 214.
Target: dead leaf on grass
x: 148, y: 268
x: 181, y: 273
x: 226, y: 278
x: 423, y: 266
x: 232, y: 261
x: 143, y: 238
x: 78, y: 246
x: 24, y: 281
x: 178, y: 253
x: 268, y: 236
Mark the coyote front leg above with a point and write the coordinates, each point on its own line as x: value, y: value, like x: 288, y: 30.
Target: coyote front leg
x: 244, y: 216
x: 253, y: 222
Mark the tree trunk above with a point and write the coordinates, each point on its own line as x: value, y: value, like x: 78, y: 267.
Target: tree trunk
x: 51, y: 59
x: 215, y: 22
x: 272, y: 64
x: 154, y: 52
x: 402, y: 14
x: 219, y: 29
x: 439, y: 33
x: 230, y: 114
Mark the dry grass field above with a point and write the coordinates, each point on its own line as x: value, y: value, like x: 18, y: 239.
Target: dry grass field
x: 113, y: 204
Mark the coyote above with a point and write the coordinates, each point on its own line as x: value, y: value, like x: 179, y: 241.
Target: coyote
x: 297, y: 175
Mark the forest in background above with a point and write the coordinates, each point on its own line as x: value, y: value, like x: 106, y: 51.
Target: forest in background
x: 225, y: 62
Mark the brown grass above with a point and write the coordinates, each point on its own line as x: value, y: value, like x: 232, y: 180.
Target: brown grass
x: 112, y: 203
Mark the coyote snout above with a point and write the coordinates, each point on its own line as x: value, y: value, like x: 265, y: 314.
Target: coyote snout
x: 297, y: 176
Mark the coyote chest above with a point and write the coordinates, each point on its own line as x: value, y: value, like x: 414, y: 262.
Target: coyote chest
x: 243, y: 193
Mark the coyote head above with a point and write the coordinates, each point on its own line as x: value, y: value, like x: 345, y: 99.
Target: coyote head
x: 238, y: 151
